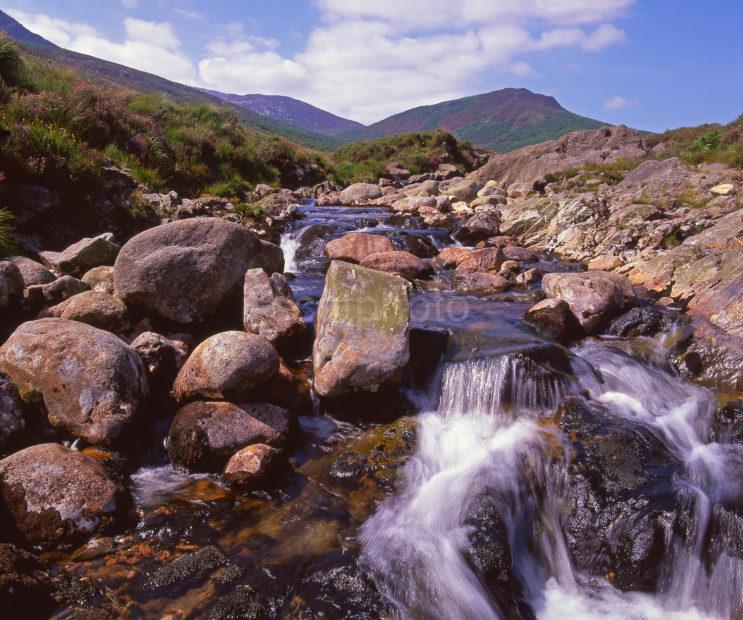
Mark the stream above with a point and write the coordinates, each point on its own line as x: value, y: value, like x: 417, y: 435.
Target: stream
x: 537, y: 481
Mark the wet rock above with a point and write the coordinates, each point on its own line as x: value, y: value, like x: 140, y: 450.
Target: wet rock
x: 204, y: 435
x: 25, y: 583
x: 489, y: 553
x: 311, y: 241
x: 94, y: 308
x: 362, y: 331
x: 256, y: 466
x: 417, y: 245
x: 594, y: 297
x: 479, y: 227
x: 727, y: 424
x: 162, y: 358
x: 81, y: 256
x: 354, y: 247
x: 290, y: 389
x: 186, y: 571
x: 427, y: 347
x: 481, y: 282
x: 54, y: 495
x: 91, y: 382
x: 227, y: 365
x: 450, y: 257
x: 239, y: 603
x: 100, y: 279
x: 645, y: 321
x: 185, y: 271
x: 12, y: 421
x: 31, y: 271
x: 620, y: 508
x: 529, y: 277
x: 552, y: 318
x: 485, y: 259
x: 38, y: 295
x: 270, y: 311
x: 400, y: 263
x: 360, y: 194
x: 508, y: 269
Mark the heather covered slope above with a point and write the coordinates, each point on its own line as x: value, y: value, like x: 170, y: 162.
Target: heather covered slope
x: 110, y: 72
x: 293, y: 112
x: 501, y: 120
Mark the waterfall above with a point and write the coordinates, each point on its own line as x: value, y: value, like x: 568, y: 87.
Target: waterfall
x: 289, y: 242
x: 485, y: 437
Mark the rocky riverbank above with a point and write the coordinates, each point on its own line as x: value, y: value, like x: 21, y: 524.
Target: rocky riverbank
x: 285, y: 392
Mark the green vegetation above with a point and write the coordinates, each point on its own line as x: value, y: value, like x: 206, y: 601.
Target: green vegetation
x: 417, y: 152
x: 60, y: 130
x: 704, y: 144
x: 583, y: 177
x: 7, y: 238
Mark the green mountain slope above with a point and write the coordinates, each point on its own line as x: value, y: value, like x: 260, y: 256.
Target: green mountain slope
x: 501, y: 120
x: 105, y: 71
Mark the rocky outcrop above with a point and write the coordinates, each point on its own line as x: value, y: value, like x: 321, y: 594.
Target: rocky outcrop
x: 269, y: 309
x: 204, y: 435
x: 360, y: 194
x: 184, y: 271
x: 81, y: 256
x: 399, y: 263
x: 55, y: 496
x: 354, y: 247
x: 228, y: 365
x: 464, y: 189
x: 594, y: 297
x: 533, y: 163
x: 92, y: 384
x: 362, y: 331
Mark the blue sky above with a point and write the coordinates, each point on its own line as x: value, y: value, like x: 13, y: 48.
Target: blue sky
x: 652, y: 64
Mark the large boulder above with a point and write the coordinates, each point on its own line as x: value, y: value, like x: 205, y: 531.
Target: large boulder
x: 360, y: 193
x: 354, y: 247
x: 481, y: 282
x: 94, y: 308
x: 81, y: 256
x: 91, y: 382
x: 552, y: 318
x: 54, y: 495
x: 31, y: 271
x: 594, y: 297
x: 484, y: 259
x: 204, y: 435
x: 185, y: 271
x: 269, y: 309
x: 11, y: 410
x: 363, y: 321
x: 400, y: 263
x: 228, y: 365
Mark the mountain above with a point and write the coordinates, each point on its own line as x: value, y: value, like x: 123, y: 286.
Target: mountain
x: 141, y: 81
x: 293, y: 112
x: 502, y: 120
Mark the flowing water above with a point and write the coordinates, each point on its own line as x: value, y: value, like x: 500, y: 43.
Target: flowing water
x: 473, y: 514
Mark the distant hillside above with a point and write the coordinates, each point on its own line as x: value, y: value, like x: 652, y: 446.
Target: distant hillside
x: 293, y: 112
x: 502, y: 120
x: 141, y: 81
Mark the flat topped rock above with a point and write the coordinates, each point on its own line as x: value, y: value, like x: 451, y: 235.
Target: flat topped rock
x: 81, y: 256
x: 362, y: 331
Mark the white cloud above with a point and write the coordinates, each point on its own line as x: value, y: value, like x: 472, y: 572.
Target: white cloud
x: 620, y: 103
x: 366, y: 60
x: 130, y: 4
x: 148, y: 46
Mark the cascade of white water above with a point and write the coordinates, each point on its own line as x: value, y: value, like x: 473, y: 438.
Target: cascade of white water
x: 289, y: 242
x: 485, y: 437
